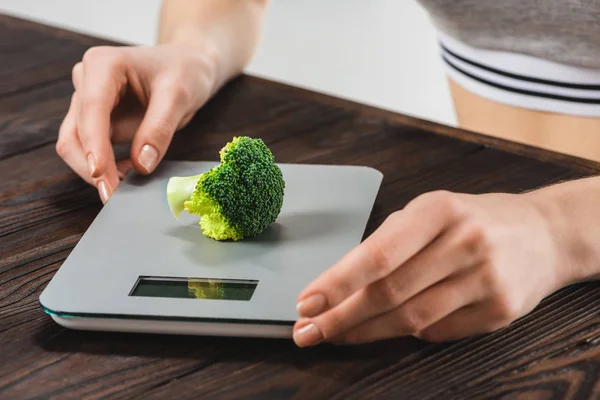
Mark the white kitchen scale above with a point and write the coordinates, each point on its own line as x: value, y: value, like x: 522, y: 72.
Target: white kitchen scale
x: 139, y: 269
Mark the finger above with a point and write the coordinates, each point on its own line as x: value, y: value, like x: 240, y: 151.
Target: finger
x: 399, y: 238
x: 103, y: 79
x: 467, y: 321
x: 69, y: 148
x: 422, y: 311
x: 451, y: 253
x: 167, y: 107
x: 68, y: 145
x: 77, y: 75
x: 185, y: 120
x: 494, y: 311
x: 123, y: 168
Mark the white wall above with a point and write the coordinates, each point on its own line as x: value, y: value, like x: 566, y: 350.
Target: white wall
x: 379, y: 52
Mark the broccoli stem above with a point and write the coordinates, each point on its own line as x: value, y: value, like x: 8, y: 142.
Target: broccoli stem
x: 179, y: 190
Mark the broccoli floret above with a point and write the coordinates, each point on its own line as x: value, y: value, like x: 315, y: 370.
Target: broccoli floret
x: 237, y: 199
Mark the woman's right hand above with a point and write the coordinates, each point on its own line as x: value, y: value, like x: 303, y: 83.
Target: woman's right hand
x: 137, y: 95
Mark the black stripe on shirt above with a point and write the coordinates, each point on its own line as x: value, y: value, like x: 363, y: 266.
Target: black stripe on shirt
x: 523, y: 91
x: 522, y: 77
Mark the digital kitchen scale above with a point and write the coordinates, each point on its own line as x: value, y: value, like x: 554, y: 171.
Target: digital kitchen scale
x: 139, y: 269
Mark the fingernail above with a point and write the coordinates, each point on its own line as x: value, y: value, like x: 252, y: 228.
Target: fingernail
x: 148, y: 157
x: 103, y: 190
x: 91, y: 160
x: 311, y: 306
x: 308, y: 335
x: 121, y: 173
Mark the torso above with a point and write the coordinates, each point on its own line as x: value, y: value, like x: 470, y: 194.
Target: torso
x: 560, y: 31
x: 573, y: 135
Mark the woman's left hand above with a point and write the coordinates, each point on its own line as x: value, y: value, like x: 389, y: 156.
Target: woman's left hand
x: 445, y: 267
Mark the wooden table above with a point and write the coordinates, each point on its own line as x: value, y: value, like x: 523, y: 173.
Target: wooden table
x: 554, y: 352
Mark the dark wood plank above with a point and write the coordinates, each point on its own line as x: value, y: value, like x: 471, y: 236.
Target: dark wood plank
x: 36, y: 115
x: 31, y: 57
x: 554, y: 352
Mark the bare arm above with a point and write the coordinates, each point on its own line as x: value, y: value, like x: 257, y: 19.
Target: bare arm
x: 572, y: 210
x: 230, y: 29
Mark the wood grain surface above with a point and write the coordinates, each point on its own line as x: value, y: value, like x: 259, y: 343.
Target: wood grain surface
x: 552, y: 353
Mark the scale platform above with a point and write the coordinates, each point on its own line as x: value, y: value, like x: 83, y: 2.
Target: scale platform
x: 138, y: 269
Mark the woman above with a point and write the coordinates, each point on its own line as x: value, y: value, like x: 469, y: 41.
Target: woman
x: 526, y: 72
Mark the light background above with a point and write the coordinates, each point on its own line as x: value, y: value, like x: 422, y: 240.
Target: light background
x: 378, y: 52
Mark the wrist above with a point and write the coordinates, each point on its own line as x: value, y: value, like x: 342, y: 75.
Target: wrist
x: 229, y: 28
x: 577, y: 257
x: 204, y: 49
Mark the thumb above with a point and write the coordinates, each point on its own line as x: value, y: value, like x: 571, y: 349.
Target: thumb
x: 163, y: 116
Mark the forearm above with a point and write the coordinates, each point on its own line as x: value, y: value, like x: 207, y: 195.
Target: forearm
x: 227, y: 30
x: 572, y: 210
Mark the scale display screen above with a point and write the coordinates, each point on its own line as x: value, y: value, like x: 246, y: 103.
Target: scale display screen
x: 194, y: 288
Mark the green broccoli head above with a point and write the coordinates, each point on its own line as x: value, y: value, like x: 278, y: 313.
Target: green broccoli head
x: 237, y: 199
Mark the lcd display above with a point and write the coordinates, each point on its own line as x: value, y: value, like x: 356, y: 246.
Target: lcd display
x: 194, y: 288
